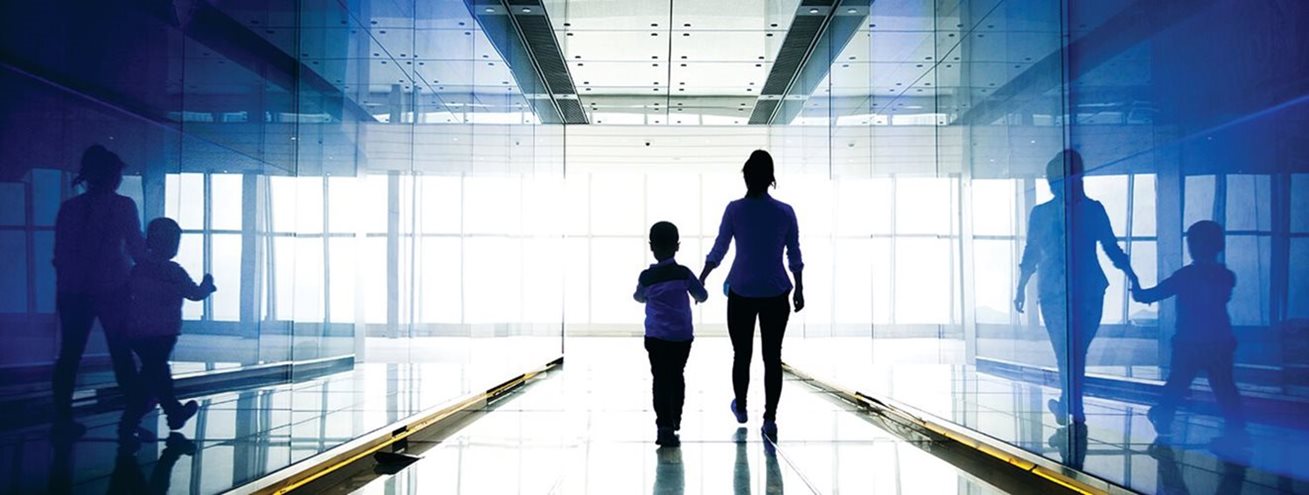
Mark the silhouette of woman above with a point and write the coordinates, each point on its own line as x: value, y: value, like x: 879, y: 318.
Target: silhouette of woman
x: 1071, y: 285
x: 757, y: 284
x: 97, y: 234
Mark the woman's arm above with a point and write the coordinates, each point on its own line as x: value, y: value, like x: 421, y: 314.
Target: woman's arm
x: 798, y: 297
x: 795, y: 261
x: 1031, y: 259
x: 721, y: 244
x: 1109, y: 241
x: 131, y: 231
x: 63, y: 245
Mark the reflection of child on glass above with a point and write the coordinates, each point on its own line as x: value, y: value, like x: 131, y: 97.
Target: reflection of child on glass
x: 1204, y: 340
x: 158, y: 286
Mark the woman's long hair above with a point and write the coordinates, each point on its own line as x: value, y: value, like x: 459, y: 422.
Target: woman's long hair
x: 758, y: 172
x: 101, y: 169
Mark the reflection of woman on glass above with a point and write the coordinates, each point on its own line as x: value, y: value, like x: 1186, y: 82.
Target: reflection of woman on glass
x: 1071, y: 285
x: 97, y: 234
x: 757, y: 284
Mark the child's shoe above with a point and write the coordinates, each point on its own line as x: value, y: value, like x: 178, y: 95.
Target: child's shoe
x: 739, y: 413
x: 667, y: 438
x: 178, y: 445
x: 177, y: 419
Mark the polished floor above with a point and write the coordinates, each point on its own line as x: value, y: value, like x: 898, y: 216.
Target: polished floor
x: 589, y: 429
x: 1119, y: 444
x: 240, y: 436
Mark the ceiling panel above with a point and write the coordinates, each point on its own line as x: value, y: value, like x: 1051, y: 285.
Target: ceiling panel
x: 734, y: 15
x: 732, y: 78
x: 616, y: 45
x: 725, y: 46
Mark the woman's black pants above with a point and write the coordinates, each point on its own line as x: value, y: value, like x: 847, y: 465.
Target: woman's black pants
x: 772, y: 313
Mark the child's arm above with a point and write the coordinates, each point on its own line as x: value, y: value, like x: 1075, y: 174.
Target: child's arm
x: 696, y: 288
x: 639, y: 295
x: 188, y: 287
x: 1165, y: 290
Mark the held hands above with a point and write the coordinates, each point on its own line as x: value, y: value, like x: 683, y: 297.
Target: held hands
x: 1137, y: 293
x: 1020, y: 300
x: 798, y: 299
x: 1135, y: 285
x: 704, y: 273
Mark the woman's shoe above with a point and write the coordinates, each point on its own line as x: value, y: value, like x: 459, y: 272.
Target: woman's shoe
x: 769, y: 430
x: 1056, y: 407
x: 740, y: 414
x: 177, y: 419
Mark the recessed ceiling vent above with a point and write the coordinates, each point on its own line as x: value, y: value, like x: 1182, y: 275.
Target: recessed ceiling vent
x: 522, y: 33
x: 819, y: 31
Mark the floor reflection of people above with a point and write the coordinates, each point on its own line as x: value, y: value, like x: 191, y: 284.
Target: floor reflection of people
x: 741, y: 468
x: 97, y: 234
x: 1071, y: 284
x: 670, y: 474
x: 1204, y: 340
x: 128, y: 477
x: 741, y: 482
x: 61, y: 465
x: 1169, y: 475
x: 1071, y: 441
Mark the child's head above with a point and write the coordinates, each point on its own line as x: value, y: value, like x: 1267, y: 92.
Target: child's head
x: 162, y: 237
x: 664, y: 240
x: 101, y: 170
x: 1205, y: 240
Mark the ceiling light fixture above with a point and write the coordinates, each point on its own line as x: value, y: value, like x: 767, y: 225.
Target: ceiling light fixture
x: 813, y: 11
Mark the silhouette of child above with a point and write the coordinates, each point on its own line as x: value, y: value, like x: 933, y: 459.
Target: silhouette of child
x: 157, y: 287
x: 663, y: 288
x: 1204, y: 339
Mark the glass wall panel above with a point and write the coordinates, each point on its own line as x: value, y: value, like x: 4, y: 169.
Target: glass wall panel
x: 994, y: 279
x: 364, y: 181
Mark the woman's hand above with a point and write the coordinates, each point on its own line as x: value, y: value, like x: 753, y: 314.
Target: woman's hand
x: 1020, y: 300
x: 798, y: 299
x: 704, y: 273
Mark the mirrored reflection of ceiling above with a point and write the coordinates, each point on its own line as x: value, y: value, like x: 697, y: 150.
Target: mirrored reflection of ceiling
x: 673, y: 62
